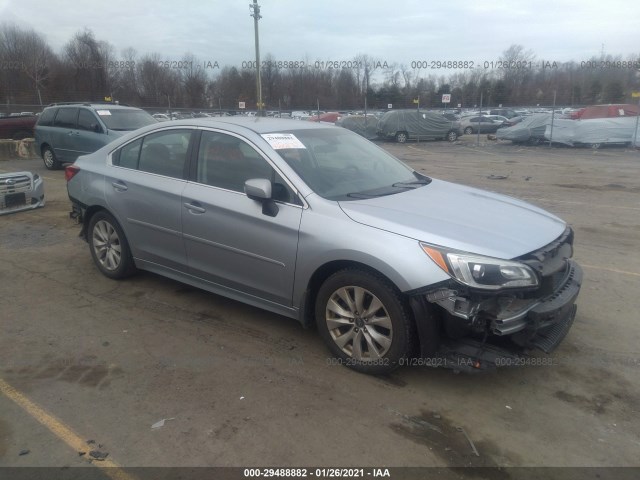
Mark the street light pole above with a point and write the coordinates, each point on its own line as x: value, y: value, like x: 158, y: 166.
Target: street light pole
x: 256, y: 16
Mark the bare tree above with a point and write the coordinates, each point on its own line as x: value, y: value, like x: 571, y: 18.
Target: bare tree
x: 27, y: 54
x: 517, y: 69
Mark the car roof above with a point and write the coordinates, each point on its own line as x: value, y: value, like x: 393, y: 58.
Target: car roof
x: 96, y: 106
x: 258, y: 125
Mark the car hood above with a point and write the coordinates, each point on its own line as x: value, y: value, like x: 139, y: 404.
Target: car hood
x: 460, y: 218
x: 117, y: 133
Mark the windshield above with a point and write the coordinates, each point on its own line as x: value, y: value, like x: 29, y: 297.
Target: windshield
x: 125, y: 119
x: 340, y: 165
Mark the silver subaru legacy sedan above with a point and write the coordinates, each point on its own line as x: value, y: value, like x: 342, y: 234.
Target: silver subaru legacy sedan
x: 319, y: 224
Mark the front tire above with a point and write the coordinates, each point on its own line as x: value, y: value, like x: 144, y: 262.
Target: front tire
x: 50, y: 160
x: 364, y: 321
x: 109, y: 247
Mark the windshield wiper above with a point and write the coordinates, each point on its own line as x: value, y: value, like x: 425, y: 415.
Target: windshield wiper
x: 412, y: 182
x: 368, y: 195
x: 419, y: 180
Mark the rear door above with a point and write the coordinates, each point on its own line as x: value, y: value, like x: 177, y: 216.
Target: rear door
x: 144, y: 190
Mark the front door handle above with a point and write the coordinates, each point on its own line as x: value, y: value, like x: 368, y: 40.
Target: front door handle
x: 119, y: 186
x: 194, y: 207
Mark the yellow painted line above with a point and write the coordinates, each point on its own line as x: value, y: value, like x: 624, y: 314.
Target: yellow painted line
x: 624, y: 272
x: 482, y: 152
x: 419, y: 150
x: 60, y: 430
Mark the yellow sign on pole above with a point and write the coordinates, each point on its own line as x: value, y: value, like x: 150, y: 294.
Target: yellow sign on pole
x: 635, y: 94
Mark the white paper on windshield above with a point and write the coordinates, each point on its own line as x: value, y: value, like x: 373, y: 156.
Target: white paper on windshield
x: 281, y: 141
x: 103, y: 112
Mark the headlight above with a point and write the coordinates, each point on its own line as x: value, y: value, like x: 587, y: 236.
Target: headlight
x: 482, y: 272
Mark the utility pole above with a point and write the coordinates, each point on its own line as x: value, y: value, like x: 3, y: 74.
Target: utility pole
x: 256, y: 17
x: 553, y: 115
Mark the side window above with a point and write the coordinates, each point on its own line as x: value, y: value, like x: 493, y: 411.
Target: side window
x: 165, y: 153
x: 66, y: 118
x: 128, y: 155
x: 46, y: 117
x: 227, y: 162
x: 88, y: 121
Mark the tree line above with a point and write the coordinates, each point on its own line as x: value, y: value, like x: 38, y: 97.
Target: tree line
x: 88, y: 69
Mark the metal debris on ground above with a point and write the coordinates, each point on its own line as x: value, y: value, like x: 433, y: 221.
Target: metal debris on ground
x: 24, y: 452
x: 160, y: 423
x: 416, y: 421
x: 497, y: 177
x: 98, y: 455
x: 473, y: 447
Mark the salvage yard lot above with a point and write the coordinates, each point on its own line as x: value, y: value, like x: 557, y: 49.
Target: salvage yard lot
x: 246, y: 387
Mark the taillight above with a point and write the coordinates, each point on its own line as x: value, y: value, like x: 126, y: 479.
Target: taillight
x: 70, y: 171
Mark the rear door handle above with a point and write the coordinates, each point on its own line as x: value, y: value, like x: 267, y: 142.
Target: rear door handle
x: 194, y: 207
x: 119, y: 186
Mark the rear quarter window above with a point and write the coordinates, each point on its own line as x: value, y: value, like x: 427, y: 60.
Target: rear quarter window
x: 46, y: 117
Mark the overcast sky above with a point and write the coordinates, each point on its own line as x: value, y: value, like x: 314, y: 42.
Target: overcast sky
x: 390, y: 30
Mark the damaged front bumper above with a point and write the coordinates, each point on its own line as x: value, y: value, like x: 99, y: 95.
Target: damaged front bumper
x: 479, y: 330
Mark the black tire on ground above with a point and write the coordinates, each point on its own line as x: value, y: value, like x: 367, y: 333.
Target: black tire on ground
x: 468, y: 130
x: 364, y: 321
x: 109, y: 247
x: 452, y: 136
x: 401, y: 137
x: 50, y: 160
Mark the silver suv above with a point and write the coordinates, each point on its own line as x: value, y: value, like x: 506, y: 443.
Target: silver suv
x: 318, y: 224
x: 66, y: 131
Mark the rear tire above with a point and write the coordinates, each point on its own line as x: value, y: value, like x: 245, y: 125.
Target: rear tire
x: 468, y: 131
x: 452, y: 136
x: 109, y: 247
x: 50, y: 160
x: 401, y: 137
x: 364, y: 321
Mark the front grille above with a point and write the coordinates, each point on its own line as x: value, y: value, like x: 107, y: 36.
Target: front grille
x: 15, y: 184
x: 550, y: 262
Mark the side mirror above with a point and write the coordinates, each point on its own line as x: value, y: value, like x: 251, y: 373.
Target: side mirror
x: 96, y: 128
x: 260, y: 189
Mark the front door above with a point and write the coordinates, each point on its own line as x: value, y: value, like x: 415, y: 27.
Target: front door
x: 229, y: 240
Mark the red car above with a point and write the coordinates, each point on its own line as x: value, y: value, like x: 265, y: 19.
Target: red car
x: 329, y: 117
